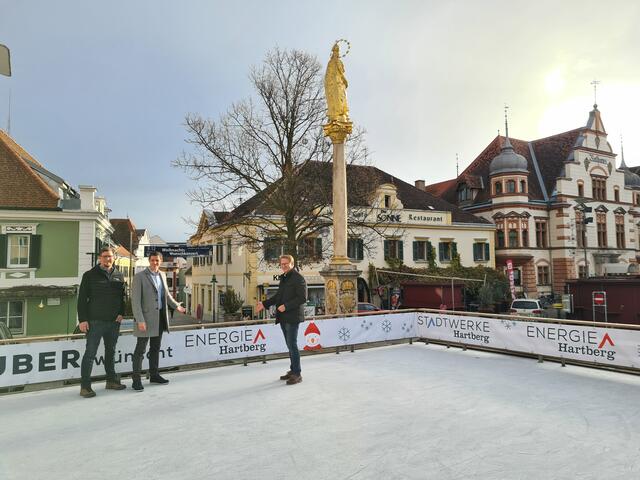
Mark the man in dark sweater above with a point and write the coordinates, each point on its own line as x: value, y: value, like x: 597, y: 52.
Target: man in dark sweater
x: 100, y: 311
x: 289, y: 300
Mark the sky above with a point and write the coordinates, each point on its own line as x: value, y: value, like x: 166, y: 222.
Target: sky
x: 100, y: 90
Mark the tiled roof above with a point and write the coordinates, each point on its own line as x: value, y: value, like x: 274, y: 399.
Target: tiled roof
x: 550, y: 153
x: 20, y: 185
x: 122, y: 252
x: 319, y: 174
x: 124, y: 232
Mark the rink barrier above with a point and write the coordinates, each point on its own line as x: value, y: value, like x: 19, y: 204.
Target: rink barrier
x: 37, y: 360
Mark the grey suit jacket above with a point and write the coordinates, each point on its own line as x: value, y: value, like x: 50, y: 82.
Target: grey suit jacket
x: 144, y: 303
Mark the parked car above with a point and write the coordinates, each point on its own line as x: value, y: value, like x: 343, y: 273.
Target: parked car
x: 5, y: 333
x: 367, y: 307
x: 526, y: 307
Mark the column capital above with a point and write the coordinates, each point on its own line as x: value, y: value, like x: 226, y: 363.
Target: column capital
x: 337, y: 130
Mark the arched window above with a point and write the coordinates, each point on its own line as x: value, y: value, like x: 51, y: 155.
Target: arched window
x: 616, y: 194
x: 523, y: 186
x: 511, y: 186
x: 500, y: 238
x: 498, y: 186
x: 581, y: 189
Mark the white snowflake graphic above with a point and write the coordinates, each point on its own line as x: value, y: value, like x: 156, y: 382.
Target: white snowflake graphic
x: 386, y: 326
x: 344, y: 334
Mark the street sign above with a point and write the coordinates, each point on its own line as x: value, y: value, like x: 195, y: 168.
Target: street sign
x: 599, y: 298
x: 179, y: 250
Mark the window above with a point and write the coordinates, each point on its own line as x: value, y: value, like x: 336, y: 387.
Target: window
x: 525, y: 237
x: 393, y: 249
x: 18, y: 250
x: 480, y: 252
x: 541, y: 234
x: 464, y: 193
x: 543, y: 275
x: 517, y: 277
x: 387, y: 201
x: 523, y: 186
x: 620, y: 243
x: 581, y: 189
x: 498, y: 187
x: 229, y: 251
x: 513, y: 238
x: 500, y: 238
x: 446, y: 251
x: 582, y: 271
x: 169, y: 281
x: 219, y: 253
x: 273, y: 248
x: 601, y: 223
x: 581, y: 230
x: 310, y: 248
x: 209, y: 260
x: 599, y: 186
x: 12, y: 315
x: 355, y: 249
x: 616, y: 194
x: 421, y: 250
x: 511, y: 186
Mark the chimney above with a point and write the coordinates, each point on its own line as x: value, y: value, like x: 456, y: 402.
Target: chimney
x: 87, y: 197
x: 420, y: 184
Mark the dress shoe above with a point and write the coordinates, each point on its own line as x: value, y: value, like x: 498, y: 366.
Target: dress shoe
x: 87, y: 392
x: 137, y: 385
x: 286, y: 376
x: 158, y: 379
x: 114, y: 386
x: 293, y: 379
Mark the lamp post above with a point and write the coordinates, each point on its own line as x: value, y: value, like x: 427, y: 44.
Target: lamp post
x: 213, y: 298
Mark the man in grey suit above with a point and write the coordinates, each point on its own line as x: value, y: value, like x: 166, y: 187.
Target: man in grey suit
x: 149, y: 300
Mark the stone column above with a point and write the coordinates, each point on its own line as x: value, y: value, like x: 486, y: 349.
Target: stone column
x: 340, y: 276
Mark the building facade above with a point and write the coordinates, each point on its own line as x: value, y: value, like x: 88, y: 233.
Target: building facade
x: 539, y: 193
x: 49, y: 236
x: 405, y: 224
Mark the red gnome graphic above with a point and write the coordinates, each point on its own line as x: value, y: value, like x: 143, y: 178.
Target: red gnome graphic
x: 312, y: 337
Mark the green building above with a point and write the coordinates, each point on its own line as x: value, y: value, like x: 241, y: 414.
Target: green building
x: 49, y: 236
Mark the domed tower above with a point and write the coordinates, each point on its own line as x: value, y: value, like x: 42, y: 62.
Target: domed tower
x: 508, y: 172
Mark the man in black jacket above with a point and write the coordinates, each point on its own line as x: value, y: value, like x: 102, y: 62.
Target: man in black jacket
x: 100, y: 311
x: 289, y: 300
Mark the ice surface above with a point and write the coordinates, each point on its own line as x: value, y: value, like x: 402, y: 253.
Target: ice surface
x: 407, y: 411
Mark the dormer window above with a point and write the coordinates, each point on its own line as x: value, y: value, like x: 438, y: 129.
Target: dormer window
x: 387, y: 201
x: 464, y: 193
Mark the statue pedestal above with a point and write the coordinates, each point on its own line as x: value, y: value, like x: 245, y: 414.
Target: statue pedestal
x: 340, y: 287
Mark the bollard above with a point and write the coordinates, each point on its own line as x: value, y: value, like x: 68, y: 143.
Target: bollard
x: 563, y: 362
x: 411, y: 341
x: 448, y: 346
x: 337, y: 350
x: 353, y: 348
x: 539, y: 358
x: 246, y: 361
x: 464, y: 348
x: 264, y: 359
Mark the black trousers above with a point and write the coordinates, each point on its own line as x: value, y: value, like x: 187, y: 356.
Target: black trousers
x: 154, y: 349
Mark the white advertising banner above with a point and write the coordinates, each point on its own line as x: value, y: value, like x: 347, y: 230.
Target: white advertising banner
x: 602, y: 345
x: 36, y: 362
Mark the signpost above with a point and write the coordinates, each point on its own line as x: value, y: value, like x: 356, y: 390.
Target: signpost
x: 599, y: 299
x: 179, y: 250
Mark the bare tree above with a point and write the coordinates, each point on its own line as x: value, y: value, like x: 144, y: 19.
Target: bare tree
x: 266, y: 161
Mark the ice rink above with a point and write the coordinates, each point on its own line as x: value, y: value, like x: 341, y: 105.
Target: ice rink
x: 406, y: 411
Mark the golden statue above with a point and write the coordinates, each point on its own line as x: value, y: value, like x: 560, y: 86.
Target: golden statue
x: 335, y: 88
